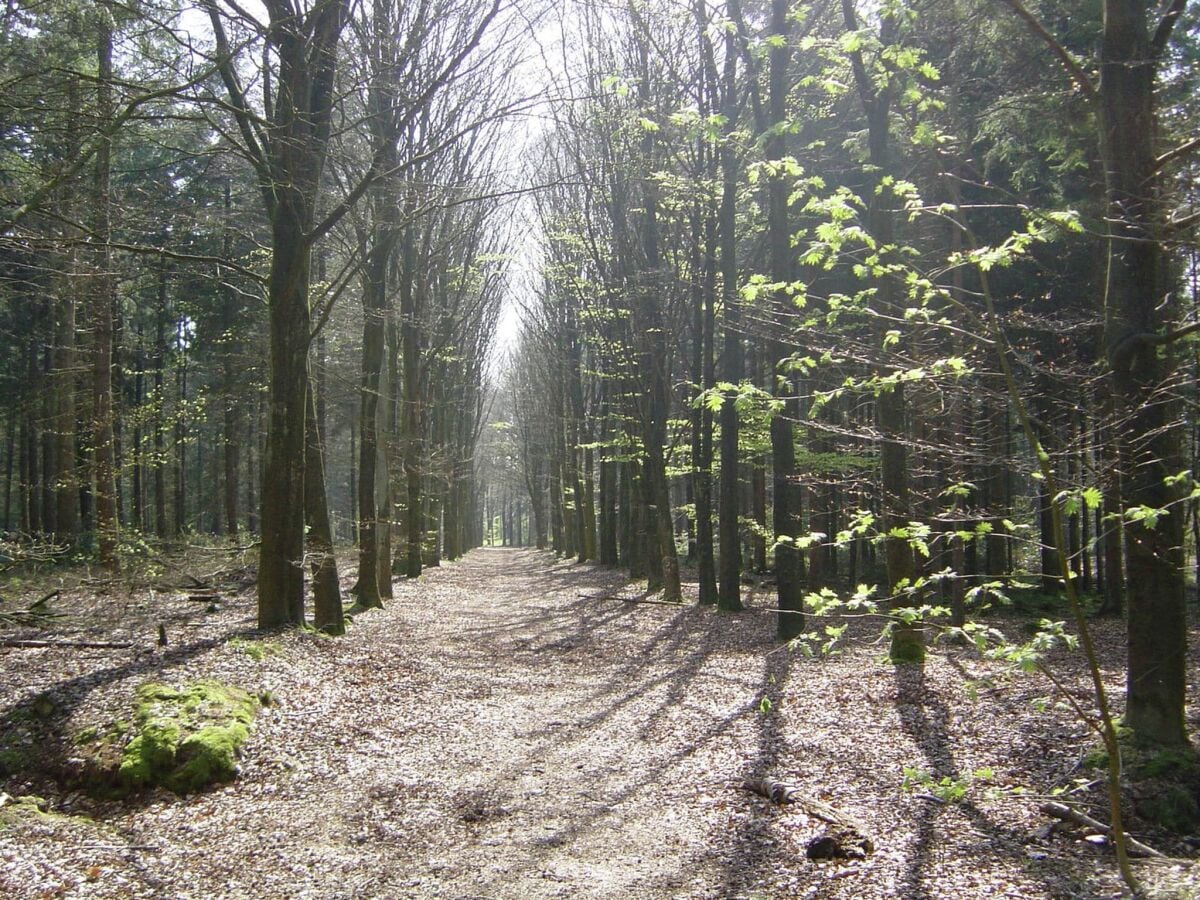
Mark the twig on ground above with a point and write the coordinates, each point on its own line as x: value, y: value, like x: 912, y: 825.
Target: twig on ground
x: 1068, y: 814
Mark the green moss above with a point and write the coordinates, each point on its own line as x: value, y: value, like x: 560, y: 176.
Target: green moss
x: 1095, y: 759
x: 150, y: 756
x: 208, y: 757
x: 907, y: 647
x: 13, y: 761
x: 31, y: 810
x: 187, y: 738
x: 1172, y: 764
x: 1166, y: 782
x: 1172, y: 806
x: 88, y: 735
x: 23, y: 808
x: 256, y: 650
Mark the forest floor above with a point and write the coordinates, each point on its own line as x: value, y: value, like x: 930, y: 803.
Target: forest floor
x: 509, y: 728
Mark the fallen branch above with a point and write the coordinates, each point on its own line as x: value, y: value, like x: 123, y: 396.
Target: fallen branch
x: 116, y: 847
x: 850, y: 838
x: 1074, y: 816
x: 38, y: 604
x: 783, y: 793
x: 74, y: 645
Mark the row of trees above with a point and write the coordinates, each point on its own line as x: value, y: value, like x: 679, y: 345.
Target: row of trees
x: 251, y: 262
x: 895, y: 293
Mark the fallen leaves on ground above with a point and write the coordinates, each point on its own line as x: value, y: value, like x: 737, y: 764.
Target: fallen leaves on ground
x: 498, y: 731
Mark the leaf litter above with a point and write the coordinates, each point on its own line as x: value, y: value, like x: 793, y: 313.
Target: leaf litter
x: 507, y: 727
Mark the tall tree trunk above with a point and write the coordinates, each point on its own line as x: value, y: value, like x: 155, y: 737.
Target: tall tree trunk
x: 181, y: 435
x: 10, y: 448
x: 281, y: 497
x: 1135, y: 317
x: 907, y: 643
x: 729, y: 575
x: 609, y: 554
x: 139, y: 399
x: 289, y: 155
x: 411, y: 437
x: 232, y: 438
x: 366, y: 590
x: 789, y: 562
x: 107, y: 527
x: 162, y: 525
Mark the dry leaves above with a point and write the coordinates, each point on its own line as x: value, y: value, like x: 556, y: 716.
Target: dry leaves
x: 496, y: 733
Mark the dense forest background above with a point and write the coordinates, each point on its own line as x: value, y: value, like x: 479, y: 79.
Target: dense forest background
x: 895, y: 301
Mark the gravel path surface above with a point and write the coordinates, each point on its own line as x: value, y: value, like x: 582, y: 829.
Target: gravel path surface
x: 508, y: 727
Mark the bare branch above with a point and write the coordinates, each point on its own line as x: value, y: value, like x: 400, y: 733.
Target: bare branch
x: 1166, y: 25
x: 1074, y: 70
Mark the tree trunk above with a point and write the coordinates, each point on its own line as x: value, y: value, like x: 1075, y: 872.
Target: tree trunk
x: 729, y: 587
x: 162, y: 525
x: 107, y: 527
x: 139, y: 469
x: 281, y: 497
x: 232, y: 346
x: 789, y: 562
x: 907, y: 643
x: 410, y: 418
x: 1147, y: 424
x: 366, y: 590
x: 327, y: 592
x: 10, y: 448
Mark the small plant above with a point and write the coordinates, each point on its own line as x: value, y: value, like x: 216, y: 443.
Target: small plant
x: 945, y: 789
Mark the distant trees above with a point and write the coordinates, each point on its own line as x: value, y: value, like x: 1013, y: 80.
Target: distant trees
x: 839, y: 207
x: 139, y: 194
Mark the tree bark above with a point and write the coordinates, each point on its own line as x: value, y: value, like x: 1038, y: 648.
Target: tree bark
x: 104, y: 300
x: 1147, y: 423
x: 729, y: 575
x: 327, y: 592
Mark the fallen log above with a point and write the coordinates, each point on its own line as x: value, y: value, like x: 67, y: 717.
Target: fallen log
x: 34, y: 614
x: 73, y: 645
x: 847, y: 840
x: 1075, y: 817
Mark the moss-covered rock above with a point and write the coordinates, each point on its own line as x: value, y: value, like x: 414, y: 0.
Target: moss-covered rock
x: 188, y: 738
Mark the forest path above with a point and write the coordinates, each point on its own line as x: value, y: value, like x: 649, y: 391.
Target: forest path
x: 527, y: 740
x: 505, y: 729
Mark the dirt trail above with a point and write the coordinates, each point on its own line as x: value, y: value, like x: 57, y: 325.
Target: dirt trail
x: 497, y: 731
